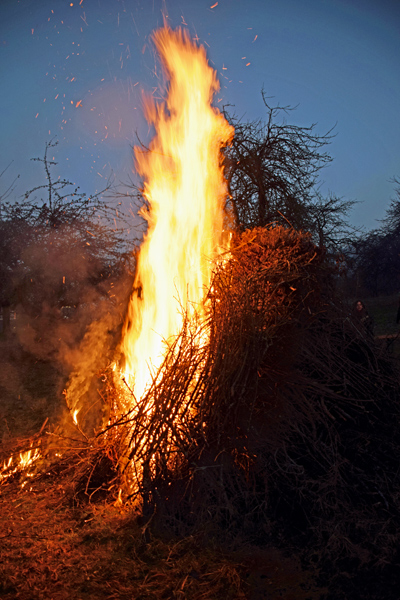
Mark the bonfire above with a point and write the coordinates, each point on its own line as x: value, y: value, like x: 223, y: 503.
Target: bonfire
x: 241, y: 397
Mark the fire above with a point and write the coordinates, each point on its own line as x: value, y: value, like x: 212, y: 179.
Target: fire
x: 185, y: 188
x: 75, y: 413
x: 25, y: 460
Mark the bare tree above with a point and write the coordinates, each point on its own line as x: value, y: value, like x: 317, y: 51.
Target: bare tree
x: 58, y: 241
x: 328, y: 221
x: 377, y: 253
x: 272, y: 168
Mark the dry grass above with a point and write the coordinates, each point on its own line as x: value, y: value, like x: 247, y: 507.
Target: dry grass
x: 52, y: 548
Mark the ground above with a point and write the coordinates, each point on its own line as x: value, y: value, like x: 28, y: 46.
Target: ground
x: 54, y: 550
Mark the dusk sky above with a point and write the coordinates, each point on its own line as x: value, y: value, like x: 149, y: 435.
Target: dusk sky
x: 76, y: 70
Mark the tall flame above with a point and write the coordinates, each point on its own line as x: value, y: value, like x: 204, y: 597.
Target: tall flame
x: 184, y: 186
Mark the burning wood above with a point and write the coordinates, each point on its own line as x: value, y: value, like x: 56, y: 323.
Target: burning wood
x: 185, y: 191
x: 214, y: 394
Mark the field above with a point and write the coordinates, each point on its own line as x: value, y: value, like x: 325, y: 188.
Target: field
x: 383, y: 311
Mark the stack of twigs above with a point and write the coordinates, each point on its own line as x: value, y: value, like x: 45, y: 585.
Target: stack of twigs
x: 275, y: 417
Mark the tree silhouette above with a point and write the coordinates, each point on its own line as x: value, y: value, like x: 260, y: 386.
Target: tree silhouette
x: 57, y: 244
x: 272, y: 169
x: 377, y: 253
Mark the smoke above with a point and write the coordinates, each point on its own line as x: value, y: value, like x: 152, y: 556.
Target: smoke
x: 89, y: 357
x: 70, y: 303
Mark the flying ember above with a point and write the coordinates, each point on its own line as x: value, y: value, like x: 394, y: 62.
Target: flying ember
x: 184, y: 186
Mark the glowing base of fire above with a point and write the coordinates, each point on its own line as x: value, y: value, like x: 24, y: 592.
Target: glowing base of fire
x: 22, y: 464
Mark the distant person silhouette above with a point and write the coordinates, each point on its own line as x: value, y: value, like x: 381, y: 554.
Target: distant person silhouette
x: 361, y: 316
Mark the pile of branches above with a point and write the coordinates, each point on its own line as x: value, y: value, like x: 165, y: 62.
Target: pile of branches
x: 277, y: 418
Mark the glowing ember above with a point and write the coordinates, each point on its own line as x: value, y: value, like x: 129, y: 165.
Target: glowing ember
x: 184, y: 185
x: 25, y: 460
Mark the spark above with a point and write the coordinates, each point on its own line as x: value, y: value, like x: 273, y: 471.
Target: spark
x: 137, y: 31
x: 214, y: 5
x: 254, y: 39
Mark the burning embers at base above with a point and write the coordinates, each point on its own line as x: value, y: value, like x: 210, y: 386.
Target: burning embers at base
x: 14, y: 465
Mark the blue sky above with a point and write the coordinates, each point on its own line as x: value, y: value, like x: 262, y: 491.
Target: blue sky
x: 76, y: 70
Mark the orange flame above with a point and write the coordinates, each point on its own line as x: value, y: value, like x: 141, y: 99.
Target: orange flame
x: 26, y: 460
x: 185, y: 189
